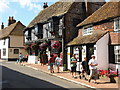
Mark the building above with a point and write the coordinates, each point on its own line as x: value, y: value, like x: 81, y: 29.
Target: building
x: 57, y: 24
x: 11, y: 40
x: 99, y: 35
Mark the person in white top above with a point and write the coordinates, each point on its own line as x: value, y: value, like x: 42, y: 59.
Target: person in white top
x: 93, y: 68
x: 58, y: 61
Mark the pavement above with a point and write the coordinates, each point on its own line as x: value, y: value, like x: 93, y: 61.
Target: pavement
x: 66, y: 75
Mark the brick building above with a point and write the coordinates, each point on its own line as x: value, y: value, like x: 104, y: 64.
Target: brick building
x: 99, y: 34
x: 58, y: 23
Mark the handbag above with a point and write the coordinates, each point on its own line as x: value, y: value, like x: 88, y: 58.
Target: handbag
x: 48, y: 67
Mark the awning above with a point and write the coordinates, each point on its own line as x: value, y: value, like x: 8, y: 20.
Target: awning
x: 87, y: 39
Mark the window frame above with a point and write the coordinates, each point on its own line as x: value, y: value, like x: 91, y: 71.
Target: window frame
x: 87, y: 30
x: 4, y: 51
x: 15, y: 52
x: 117, y: 24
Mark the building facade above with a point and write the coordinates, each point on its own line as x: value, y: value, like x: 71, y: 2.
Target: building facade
x: 57, y: 24
x: 11, y: 40
x: 99, y: 35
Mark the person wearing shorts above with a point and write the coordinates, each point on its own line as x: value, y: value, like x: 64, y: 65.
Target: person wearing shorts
x: 57, y: 62
x: 73, y: 65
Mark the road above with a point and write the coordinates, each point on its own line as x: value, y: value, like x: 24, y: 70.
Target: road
x: 17, y: 76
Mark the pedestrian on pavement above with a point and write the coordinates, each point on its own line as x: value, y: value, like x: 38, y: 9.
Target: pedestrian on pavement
x: 93, y: 68
x: 73, y: 65
x: 84, y: 69
x: 20, y: 58
x: 57, y: 62
x: 51, y: 63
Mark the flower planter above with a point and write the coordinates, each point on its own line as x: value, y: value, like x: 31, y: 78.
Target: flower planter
x: 111, y: 80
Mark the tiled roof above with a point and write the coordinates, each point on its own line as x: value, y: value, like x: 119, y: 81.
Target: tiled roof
x: 87, y: 39
x: 8, y: 30
x: 107, y: 11
x: 57, y: 9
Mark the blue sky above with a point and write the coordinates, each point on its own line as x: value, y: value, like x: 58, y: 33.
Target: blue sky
x: 22, y: 10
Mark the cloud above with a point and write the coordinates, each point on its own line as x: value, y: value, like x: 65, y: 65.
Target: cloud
x: 3, y: 7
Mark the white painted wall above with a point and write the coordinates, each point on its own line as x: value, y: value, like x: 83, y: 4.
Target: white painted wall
x: 102, y: 52
x: 2, y: 46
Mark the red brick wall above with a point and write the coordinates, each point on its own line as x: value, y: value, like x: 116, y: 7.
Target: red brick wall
x: 109, y: 26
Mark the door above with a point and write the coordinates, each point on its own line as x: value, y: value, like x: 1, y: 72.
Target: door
x: 90, y: 51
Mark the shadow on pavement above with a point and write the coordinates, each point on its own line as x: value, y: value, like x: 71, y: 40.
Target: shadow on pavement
x: 13, y: 79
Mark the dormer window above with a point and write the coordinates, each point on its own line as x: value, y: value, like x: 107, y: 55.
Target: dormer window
x: 117, y: 24
x: 87, y: 30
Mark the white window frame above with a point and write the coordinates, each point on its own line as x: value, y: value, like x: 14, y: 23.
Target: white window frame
x: 87, y: 30
x: 4, y: 51
x: 117, y: 24
x: 117, y: 54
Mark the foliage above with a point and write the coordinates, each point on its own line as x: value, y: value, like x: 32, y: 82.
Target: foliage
x: 107, y: 73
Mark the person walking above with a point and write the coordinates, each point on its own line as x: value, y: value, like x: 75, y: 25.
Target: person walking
x: 93, y: 68
x: 20, y: 58
x: 73, y: 65
x: 57, y: 62
x: 84, y: 69
x: 51, y: 63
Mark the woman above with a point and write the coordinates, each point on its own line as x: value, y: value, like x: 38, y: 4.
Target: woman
x: 58, y: 61
x: 73, y: 65
x: 51, y: 62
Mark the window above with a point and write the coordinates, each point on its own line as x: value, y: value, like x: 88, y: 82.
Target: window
x: 114, y: 54
x: 117, y: 53
x: 117, y: 24
x: 16, y: 51
x: 87, y: 30
x: 4, y: 52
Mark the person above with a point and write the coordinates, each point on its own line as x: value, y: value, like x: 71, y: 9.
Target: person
x: 20, y: 58
x: 58, y: 61
x: 93, y: 68
x: 84, y: 68
x: 73, y: 65
x: 51, y: 63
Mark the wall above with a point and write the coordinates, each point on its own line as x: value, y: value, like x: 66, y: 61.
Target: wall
x: 6, y: 41
x: 102, y: 52
x: 16, y: 41
x: 15, y: 56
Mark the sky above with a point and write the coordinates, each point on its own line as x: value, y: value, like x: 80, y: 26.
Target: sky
x: 22, y: 10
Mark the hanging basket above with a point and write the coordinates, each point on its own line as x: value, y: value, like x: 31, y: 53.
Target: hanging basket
x: 56, y: 45
x: 43, y: 46
x: 34, y: 46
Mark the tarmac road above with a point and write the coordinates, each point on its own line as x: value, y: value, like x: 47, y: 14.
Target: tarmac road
x: 17, y: 76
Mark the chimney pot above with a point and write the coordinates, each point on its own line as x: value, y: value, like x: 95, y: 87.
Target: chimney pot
x: 2, y: 26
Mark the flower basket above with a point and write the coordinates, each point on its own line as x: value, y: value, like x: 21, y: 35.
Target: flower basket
x: 110, y: 75
x: 34, y: 46
x: 43, y: 46
x: 56, y: 45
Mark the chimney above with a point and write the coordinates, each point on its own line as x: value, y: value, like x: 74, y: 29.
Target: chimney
x: 11, y: 20
x: 91, y: 7
x: 2, y: 26
x: 45, y: 5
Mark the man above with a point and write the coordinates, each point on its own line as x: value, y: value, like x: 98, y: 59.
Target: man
x: 93, y: 69
x: 84, y: 68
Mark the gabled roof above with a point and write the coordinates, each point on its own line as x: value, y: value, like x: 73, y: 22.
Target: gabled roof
x: 57, y: 9
x: 87, y: 39
x: 8, y: 30
x: 107, y: 11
